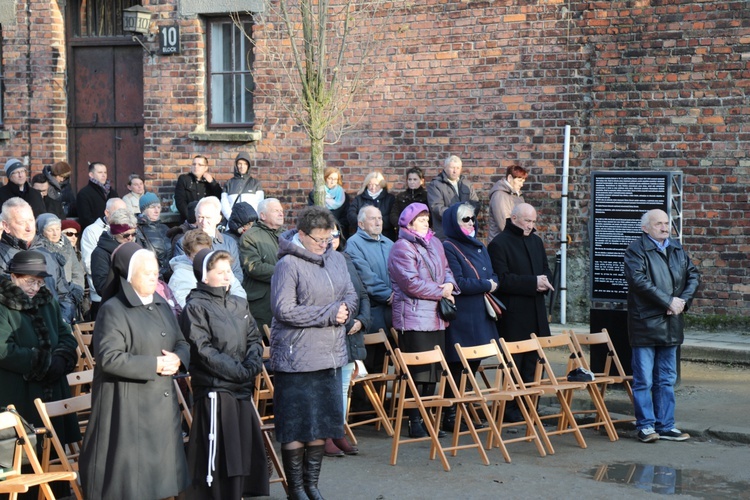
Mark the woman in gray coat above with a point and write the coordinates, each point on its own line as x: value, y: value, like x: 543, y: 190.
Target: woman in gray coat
x: 133, y: 445
x: 312, y: 299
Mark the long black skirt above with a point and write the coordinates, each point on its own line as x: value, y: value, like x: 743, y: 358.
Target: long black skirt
x: 307, y: 406
x: 241, y: 465
x: 418, y: 341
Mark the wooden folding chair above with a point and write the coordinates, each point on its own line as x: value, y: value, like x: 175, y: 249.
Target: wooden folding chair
x: 394, y: 336
x: 564, y: 346
x: 66, y: 455
x: 430, y: 407
x: 613, y: 368
x: 182, y: 402
x: 12, y: 481
x: 376, y: 396
x: 83, y: 333
x: 495, y: 394
x: 263, y: 390
x: 266, y: 335
x: 268, y: 428
x: 549, y: 385
x: 80, y: 382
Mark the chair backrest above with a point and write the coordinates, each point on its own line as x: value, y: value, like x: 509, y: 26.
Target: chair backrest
x: 9, y: 419
x: 80, y: 378
x: 378, y: 338
x: 394, y: 336
x: 599, y: 338
x: 67, y: 455
x: 489, y: 352
x: 84, y: 334
x: 564, y: 345
x: 523, y: 347
x: 434, y: 356
x: 266, y: 334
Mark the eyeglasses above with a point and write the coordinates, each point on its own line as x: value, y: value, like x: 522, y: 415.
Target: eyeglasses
x: 32, y: 282
x: 466, y: 220
x: 335, y: 235
x: 70, y: 234
x: 321, y: 241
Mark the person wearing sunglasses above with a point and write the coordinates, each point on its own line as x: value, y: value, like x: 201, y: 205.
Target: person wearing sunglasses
x: 472, y: 269
x: 122, y: 229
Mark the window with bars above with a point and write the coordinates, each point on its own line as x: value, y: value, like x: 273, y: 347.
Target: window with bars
x: 230, y: 80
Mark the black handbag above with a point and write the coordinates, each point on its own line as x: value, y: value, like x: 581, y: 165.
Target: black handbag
x: 448, y: 309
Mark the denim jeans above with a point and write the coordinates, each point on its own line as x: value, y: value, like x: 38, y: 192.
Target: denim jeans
x: 346, y: 377
x: 654, y: 376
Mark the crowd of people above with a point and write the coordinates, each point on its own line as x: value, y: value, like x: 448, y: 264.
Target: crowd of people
x: 194, y: 298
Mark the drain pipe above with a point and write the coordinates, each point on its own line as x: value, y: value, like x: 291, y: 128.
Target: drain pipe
x: 564, y: 229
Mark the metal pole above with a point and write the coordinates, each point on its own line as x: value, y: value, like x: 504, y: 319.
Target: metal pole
x: 564, y: 229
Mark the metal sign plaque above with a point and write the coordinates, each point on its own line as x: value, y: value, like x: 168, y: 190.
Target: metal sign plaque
x: 619, y: 199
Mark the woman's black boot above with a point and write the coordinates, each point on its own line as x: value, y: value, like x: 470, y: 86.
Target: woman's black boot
x: 293, y: 461
x: 313, y: 462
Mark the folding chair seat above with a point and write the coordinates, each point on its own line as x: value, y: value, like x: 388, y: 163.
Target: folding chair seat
x: 376, y: 395
x: 564, y: 346
x: 495, y: 394
x: 84, y: 333
x: 12, y: 481
x: 430, y: 407
x: 549, y: 385
x: 66, y: 456
x: 613, y: 368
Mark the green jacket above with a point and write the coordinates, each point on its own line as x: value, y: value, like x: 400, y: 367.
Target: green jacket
x: 259, y: 248
x: 32, y: 334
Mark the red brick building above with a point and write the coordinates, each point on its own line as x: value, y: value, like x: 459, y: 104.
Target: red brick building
x: 645, y: 85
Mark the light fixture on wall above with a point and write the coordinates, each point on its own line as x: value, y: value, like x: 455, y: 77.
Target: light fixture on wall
x: 137, y: 20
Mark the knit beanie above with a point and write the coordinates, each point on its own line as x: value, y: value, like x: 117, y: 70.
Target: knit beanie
x: 148, y: 199
x: 45, y: 220
x: 71, y: 224
x: 12, y: 165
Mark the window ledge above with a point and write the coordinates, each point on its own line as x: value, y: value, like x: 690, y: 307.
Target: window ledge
x: 4, y: 135
x: 226, y: 135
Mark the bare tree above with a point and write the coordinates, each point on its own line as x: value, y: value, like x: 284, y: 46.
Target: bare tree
x: 322, y: 48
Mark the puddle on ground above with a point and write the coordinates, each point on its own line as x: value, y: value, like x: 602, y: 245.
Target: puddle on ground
x: 668, y: 481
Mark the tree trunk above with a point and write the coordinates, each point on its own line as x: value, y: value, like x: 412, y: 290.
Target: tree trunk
x: 318, y: 166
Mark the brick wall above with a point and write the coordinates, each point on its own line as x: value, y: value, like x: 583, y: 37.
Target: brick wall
x: 644, y: 84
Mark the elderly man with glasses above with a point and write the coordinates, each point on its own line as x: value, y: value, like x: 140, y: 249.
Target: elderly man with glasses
x: 19, y: 233
x: 18, y: 186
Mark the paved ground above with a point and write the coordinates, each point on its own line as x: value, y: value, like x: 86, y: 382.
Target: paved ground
x: 713, y: 404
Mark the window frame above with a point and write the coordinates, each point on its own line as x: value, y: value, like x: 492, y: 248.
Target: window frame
x: 210, y: 124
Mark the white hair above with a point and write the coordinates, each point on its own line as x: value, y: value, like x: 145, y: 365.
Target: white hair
x: 210, y: 201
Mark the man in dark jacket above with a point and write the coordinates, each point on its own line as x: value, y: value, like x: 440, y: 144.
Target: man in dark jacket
x: 449, y: 188
x: 662, y: 282
x: 19, y: 233
x: 195, y: 185
x: 60, y: 188
x: 259, y: 248
x: 51, y: 205
x: 18, y: 186
x: 92, y: 198
x: 520, y: 262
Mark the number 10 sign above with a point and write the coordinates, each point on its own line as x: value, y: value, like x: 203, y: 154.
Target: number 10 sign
x: 169, y: 40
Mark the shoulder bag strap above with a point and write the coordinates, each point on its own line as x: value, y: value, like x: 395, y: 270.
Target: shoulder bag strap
x: 465, y: 258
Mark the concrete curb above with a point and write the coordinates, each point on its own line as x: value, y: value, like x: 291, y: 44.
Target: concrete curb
x: 714, y: 354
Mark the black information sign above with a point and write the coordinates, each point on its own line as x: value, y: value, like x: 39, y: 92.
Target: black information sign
x: 619, y: 199
x: 169, y: 40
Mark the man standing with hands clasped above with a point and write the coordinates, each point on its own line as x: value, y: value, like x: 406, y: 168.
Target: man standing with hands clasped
x: 661, y: 284
x: 520, y: 262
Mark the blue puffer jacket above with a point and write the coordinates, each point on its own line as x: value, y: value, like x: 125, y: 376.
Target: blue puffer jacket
x: 306, y: 292
x: 415, y: 293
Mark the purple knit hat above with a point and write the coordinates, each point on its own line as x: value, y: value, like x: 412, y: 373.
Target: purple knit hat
x: 412, y: 212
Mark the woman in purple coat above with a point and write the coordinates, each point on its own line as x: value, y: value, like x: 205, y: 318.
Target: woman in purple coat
x: 420, y: 277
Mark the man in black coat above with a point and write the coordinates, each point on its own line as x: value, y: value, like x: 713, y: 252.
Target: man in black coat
x: 92, y: 198
x: 195, y: 186
x: 52, y: 205
x: 520, y: 262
